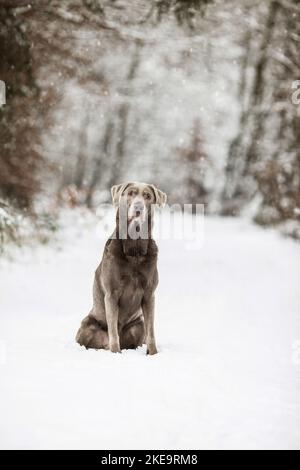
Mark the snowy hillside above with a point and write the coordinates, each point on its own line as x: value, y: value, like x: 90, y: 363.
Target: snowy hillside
x: 226, y: 376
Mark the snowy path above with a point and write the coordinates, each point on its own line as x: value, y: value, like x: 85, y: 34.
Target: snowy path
x: 228, y: 316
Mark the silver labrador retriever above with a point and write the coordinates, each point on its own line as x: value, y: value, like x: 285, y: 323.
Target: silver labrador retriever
x: 122, y: 316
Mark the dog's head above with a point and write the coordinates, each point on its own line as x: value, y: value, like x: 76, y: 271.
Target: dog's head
x: 138, y: 200
x: 138, y: 197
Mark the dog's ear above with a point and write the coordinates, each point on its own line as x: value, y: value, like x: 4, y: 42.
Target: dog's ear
x: 117, y: 191
x: 160, y: 196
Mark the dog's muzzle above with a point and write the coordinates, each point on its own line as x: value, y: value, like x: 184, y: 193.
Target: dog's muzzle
x: 138, y: 208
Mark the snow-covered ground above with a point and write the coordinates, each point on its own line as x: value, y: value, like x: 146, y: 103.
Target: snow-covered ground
x: 228, y: 370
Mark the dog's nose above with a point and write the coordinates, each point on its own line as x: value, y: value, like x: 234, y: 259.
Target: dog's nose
x: 138, y: 206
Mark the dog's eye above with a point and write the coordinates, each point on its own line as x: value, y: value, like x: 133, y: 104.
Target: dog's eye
x: 147, y: 196
x: 132, y: 192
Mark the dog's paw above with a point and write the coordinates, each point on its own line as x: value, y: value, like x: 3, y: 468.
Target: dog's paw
x: 115, y: 348
x: 151, y: 349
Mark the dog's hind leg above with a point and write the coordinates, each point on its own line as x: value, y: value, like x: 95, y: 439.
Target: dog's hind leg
x: 132, y: 335
x: 91, y: 334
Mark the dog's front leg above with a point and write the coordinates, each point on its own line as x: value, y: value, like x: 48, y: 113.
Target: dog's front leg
x: 148, y: 311
x: 112, y: 314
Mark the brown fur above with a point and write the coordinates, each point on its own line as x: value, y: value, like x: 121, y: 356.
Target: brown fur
x: 122, y: 316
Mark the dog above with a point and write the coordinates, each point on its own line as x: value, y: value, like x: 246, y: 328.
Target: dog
x: 122, y: 316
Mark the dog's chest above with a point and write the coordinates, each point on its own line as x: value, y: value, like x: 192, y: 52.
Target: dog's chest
x: 134, y: 283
